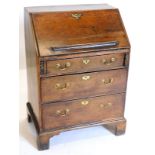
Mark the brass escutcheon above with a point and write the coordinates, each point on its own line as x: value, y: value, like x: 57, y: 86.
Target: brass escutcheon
x: 86, y: 61
x: 85, y: 102
x: 76, y: 15
x: 86, y: 77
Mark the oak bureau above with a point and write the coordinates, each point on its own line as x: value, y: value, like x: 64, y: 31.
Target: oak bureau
x: 77, y: 67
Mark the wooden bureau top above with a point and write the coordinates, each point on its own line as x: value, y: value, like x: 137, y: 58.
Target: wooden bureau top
x: 74, y: 29
x: 68, y: 8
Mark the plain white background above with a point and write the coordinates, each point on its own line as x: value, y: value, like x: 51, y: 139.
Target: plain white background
x: 138, y: 17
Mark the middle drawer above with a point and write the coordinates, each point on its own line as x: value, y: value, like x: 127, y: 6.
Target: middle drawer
x: 69, y: 87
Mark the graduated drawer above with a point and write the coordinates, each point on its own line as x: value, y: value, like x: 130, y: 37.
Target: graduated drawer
x: 85, y: 64
x: 83, y: 85
x: 76, y: 112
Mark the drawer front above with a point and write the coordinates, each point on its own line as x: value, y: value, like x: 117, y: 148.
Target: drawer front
x: 85, y: 64
x: 76, y: 112
x: 83, y: 85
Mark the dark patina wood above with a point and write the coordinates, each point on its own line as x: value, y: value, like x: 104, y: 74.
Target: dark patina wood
x: 85, y: 64
x: 84, y: 85
x: 77, y: 67
x: 93, y: 27
x: 33, y: 68
x: 87, y: 110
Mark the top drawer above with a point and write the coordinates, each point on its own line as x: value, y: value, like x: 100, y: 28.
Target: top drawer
x: 85, y: 64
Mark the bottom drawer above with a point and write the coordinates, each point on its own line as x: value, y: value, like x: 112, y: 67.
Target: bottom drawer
x: 76, y: 112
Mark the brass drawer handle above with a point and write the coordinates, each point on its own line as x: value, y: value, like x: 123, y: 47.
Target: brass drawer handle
x: 85, y: 61
x: 108, y: 62
x: 63, y: 112
x: 77, y: 15
x: 85, y: 102
x: 63, y: 66
x: 62, y: 86
x: 107, y: 81
x: 106, y: 105
x: 85, y: 77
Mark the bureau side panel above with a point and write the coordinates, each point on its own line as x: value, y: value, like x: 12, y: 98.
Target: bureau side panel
x: 32, y: 60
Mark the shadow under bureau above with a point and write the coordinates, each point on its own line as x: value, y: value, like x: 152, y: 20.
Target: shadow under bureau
x: 77, y: 67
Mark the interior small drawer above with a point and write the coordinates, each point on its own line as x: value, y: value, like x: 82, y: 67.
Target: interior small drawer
x: 68, y: 87
x: 85, y: 64
x: 76, y: 112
